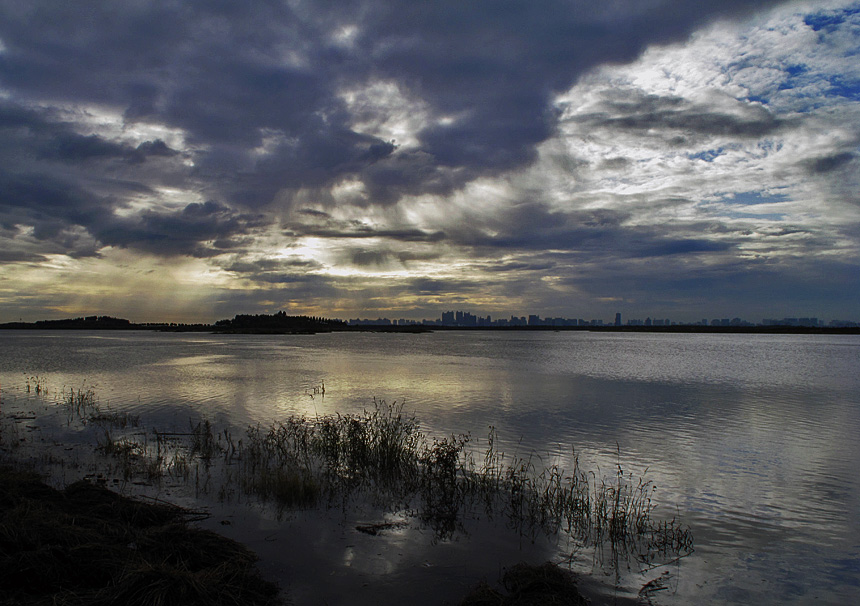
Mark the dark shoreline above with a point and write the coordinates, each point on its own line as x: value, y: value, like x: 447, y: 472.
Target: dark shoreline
x: 420, y: 329
x: 86, y: 544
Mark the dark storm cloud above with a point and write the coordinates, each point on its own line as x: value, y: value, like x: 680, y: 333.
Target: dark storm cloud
x: 451, y: 288
x: 535, y: 226
x: 276, y: 271
x: 48, y: 204
x: 831, y: 163
x: 71, y: 147
x: 405, y: 256
x: 42, y: 134
x: 232, y: 74
x: 322, y: 225
x: 52, y: 205
x: 199, y: 230
x: 519, y: 266
x: 631, y: 111
x: 13, y: 256
x: 658, y: 248
x: 262, y: 266
x: 494, y: 65
x: 371, y: 258
x: 54, y: 180
x: 311, y: 212
x: 385, y: 257
x: 765, y: 287
x: 532, y: 228
x: 363, y: 231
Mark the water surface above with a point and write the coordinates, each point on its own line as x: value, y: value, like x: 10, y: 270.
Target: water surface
x: 751, y: 439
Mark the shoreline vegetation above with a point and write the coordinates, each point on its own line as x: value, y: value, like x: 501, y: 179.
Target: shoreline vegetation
x: 380, y: 457
x: 281, y: 323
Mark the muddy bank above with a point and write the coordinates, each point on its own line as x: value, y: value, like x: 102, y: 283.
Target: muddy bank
x: 88, y: 545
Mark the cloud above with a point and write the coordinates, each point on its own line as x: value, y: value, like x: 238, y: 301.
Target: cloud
x: 320, y: 224
x: 198, y: 230
x: 231, y: 76
x: 47, y: 136
x: 631, y: 111
x: 365, y: 231
x: 830, y: 163
x: 505, y: 153
x: 47, y: 203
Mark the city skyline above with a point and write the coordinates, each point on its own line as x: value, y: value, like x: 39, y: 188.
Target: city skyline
x: 186, y: 161
x: 459, y: 318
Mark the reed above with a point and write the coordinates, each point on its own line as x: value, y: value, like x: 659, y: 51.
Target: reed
x: 81, y: 400
x: 83, y: 405
x: 382, y: 454
x: 37, y: 385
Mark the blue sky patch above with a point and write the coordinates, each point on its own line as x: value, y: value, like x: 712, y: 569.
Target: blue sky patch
x: 850, y: 89
x: 830, y: 21
x: 708, y: 155
x: 762, y: 216
x: 753, y: 198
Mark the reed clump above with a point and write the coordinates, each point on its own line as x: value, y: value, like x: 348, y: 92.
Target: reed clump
x: 382, y: 452
x: 301, y: 460
x: 37, y: 385
x: 83, y: 405
x: 81, y: 400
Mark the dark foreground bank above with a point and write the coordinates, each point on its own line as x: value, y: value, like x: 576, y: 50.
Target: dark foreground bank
x: 86, y: 545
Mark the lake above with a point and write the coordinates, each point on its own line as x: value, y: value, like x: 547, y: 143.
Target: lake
x: 751, y: 441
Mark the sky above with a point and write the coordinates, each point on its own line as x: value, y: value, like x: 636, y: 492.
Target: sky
x: 192, y: 160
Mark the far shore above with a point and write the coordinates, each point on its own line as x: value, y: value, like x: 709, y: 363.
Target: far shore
x: 109, y: 324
